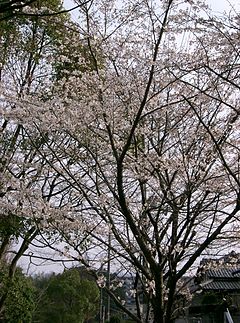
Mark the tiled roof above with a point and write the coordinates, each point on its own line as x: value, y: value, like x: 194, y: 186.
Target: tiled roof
x: 225, y: 273
x: 222, y: 279
x: 222, y: 285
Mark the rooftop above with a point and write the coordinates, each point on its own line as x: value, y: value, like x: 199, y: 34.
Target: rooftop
x: 227, y: 279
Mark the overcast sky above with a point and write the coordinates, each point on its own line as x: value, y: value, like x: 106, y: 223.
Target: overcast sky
x: 221, y: 5
x: 216, y: 5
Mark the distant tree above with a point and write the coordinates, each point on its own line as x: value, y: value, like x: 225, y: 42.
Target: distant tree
x: 66, y: 297
x: 19, y: 304
x: 114, y: 319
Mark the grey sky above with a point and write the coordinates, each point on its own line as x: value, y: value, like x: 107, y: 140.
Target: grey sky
x: 223, y: 5
x: 216, y: 5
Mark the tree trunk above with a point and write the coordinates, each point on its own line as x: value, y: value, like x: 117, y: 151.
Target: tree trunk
x: 158, y: 299
x: 171, y: 288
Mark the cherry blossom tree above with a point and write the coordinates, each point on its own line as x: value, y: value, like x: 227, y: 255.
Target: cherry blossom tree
x: 28, y: 68
x: 141, y: 152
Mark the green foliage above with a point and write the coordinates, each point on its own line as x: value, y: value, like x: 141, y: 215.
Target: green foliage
x: 66, y: 297
x: 115, y: 319
x: 36, y: 47
x: 32, y: 38
x: 19, y: 304
x: 11, y: 225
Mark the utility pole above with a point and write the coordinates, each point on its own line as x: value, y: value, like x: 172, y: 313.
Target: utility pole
x: 101, y: 308
x: 109, y: 277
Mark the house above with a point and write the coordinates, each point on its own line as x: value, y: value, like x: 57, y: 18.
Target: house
x: 217, y: 291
